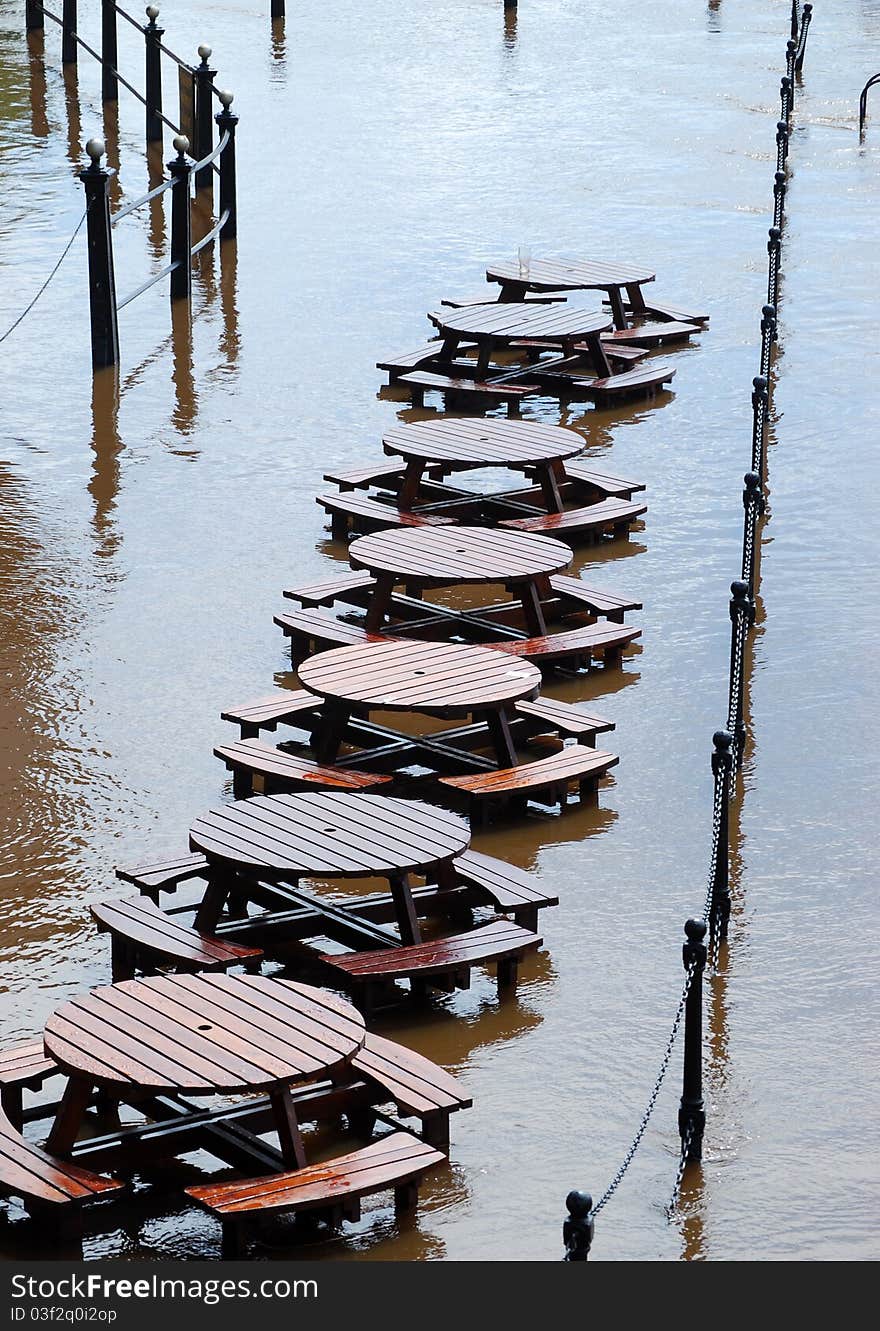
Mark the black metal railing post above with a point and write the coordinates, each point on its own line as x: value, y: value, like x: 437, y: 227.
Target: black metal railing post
x: 795, y: 21
x: 153, y: 35
x: 68, y: 33
x: 34, y: 19
x: 226, y: 123
x: 779, y: 188
x: 781, y: 144
x: 204, y: 122
x: 102, y: 283
x: 691, y: 1112
x: 742, y: 614
x: 109, y: 52
x: 180, y: 168
x: 768, y: 337
x: 753, y: 504
x: 790, y: 60
x: 806, y: 19
x: 785, y: 98
x: 578, y: 1227
x: 276, y: 9
x: 759, y: 416
x: 774, y: 246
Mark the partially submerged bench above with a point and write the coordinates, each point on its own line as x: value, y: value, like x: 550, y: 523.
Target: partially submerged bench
x: 578, y: 646
x: 353, y: 512
x: 441, y: 963
x: 144, y: 938
x: 419, y: 1088
x: 504, y: 886
x: 643, y: 381
x: 283, y: 707
x: 24, y: 1067
x: 332, y: 1189
x: 614, y: 516
x: 648, y: 335
x: 350, y: 588
x: 311, y: 631
x: 550, y: 777
x: 584, y: 473
x: 607, y: 605
x: 52, y: 1190
x: 277, y: 771
x: 466, y: 392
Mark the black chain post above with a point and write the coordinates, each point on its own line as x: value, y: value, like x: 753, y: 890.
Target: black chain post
x: 102, y: 284
x: 691, y: 1112
x: 34, y: 19
x: 802, y: 40
x: 578, y: 1227
x: 795, y: 21
x: 180, y: 168
x: 768, y: 337
x: 781, y: 143
x: 753, y: 504
x: 226, y: 122
x: 759, y: 412
x: 779, y: 186
x: 68, y: 33
x: 785, y: 98
x: 153, y: 35
x: 790, y: 60
x: 277, y: 9
x: 722, y: 770
x: 203, y: 118
x: 774, y: 248
x: 109, y: 52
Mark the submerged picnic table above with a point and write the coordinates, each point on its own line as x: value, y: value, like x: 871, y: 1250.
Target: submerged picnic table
x: 574, y: 275
x: 463, y: 443
x: 436, y: 679
x: 458, y: 556
x: 325, y: 834
x: 198, y: 1035
x: 496, y: 325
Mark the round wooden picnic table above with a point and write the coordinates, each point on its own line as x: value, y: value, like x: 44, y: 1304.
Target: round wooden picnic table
x: 332, y: 834
x: 439, y: 679
x: 574, y: 275
x: 464, y: 442
x: 500, y: 323
x: 202, y: 1035
x: 449, y: 556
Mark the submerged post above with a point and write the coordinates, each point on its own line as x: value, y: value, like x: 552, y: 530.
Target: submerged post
x: 34, y: 19
x: 226, y: 123
x: 102, y: 283
x: 774, y: 246
x: 768, y: 337
x: 806, y: 19
x: 759, y: 418
x: 180, y: 168
x: 578, y: 1227
x: 109, y: 52
x: 276, y: 9
x: 722, y: 770
x: 753, y: 503
x: 203, y: 119
x: 153, y: 35
x: 691, y: 1112
x: 68, y: 33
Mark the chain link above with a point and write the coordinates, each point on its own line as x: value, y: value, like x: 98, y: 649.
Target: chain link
x: 682, y: 1166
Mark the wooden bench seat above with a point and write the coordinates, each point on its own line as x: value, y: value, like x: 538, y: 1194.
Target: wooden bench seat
x: 667, y: 312
x: 646, y: 335
x: 48, y: 1187
x: 502, y: 885
x: 312, y: 631
x: 484, y: 392
x: 347, y: 587
x: 610, y: 487
x: 409, y: 360
x: 604, y: 604
x: 163, y: 875
x: 578, y: 645
x: 533, y: 347
x: 527, y: 298
x: 548, y: 715
x: 551, y: 776
x: 248, y: 759
x: 23, y: 1067
x: 418, y: 1087
x: 144, y: 938
x: 334, y: 1187
x: 354, y: 512
x: 385, y: 472
x: 446, y: 961
x: 644, y: 380
x: 284, y: 706
x: 610, y: 515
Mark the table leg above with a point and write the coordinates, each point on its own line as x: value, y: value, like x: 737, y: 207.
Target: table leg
x: 549, y: 487
x: 328, y: 733
x: 212, y: 903
x: 532, y: 609
x: 617, y: 311
x: 68, y: 1120
x: 407, y: 919
x: 289, y: 1135
x: 598, y: 357
x: 379, y: 603
x: 412, y: 479
x: 484, y: 355
x: 499, y: 729
x: 512, y: 292
x: 636, y: 298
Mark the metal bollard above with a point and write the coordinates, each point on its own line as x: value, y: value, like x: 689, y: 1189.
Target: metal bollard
x: 153, y: 35
x: 781, y: 144
x: 741, y: 611
x: 204, y: 123
x: 768, y: 337
x: 806, y: 19
x: 795, y: 21
x: 785, y: 86
x: 109, y: 52
x: 753, y: 501
x: 102, y: 284
x: 759, y: 423
x: 68, y: 33
x: 578, y: 1226
x: 691, y: 1112
x: 276, y: 9
x: 779, y: 188
x: 34, y: 19
x: 227, y: 121
x: 774, y: 247
x: 180, y: 168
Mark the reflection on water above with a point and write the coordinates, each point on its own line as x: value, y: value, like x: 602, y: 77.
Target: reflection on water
x: 150, y: 520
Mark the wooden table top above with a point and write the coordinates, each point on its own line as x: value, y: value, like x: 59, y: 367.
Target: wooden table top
x: 444, y: 678
x: 568, y: 274
x: 333, y: 833
x: 482, y: 443
x: 505, y: 322
x: 448, y: 555
x: 203, y: 1033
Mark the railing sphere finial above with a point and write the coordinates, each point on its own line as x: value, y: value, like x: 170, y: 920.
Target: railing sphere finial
x: 225, y: 98
x: 96, y: 149
x: 152, y: 12
x: 205, y: 53
x: 181, y: 143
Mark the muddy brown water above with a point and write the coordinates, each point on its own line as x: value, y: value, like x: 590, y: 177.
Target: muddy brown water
x: 386, y: 153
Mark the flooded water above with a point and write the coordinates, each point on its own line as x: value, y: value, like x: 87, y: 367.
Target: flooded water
x: 386, y: 153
